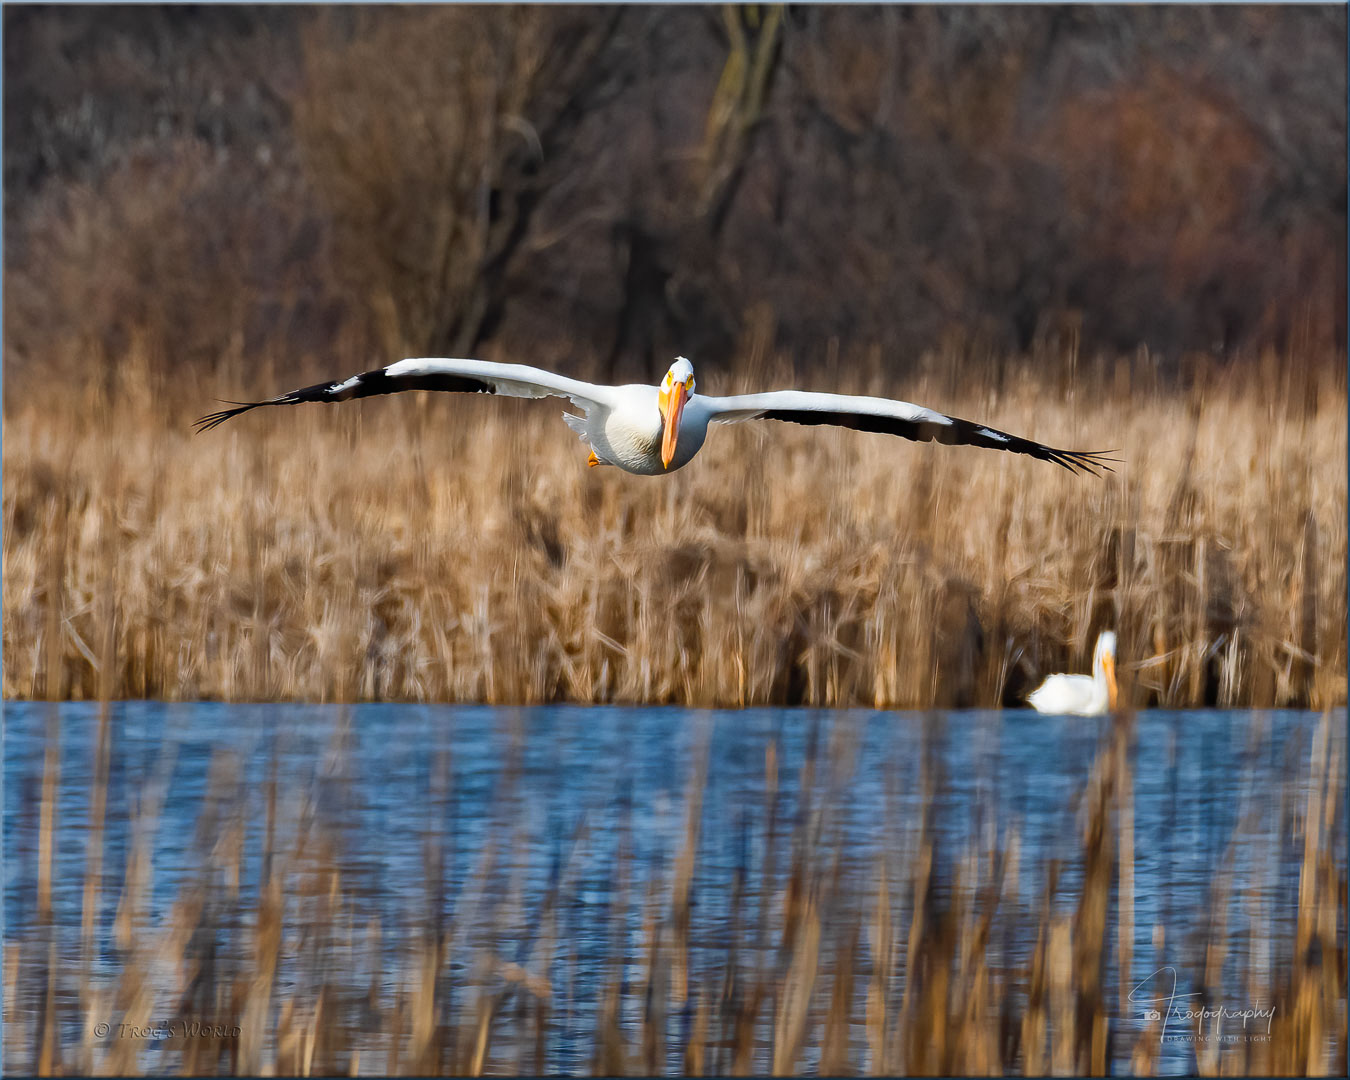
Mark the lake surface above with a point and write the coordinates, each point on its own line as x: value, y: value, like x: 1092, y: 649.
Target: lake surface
x: 591, y: 805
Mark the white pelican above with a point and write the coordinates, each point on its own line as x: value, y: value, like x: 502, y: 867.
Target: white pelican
x: 657, y: 429
x: 1081, y: 695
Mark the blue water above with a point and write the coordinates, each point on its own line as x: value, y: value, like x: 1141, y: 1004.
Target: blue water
x: 558, y: 792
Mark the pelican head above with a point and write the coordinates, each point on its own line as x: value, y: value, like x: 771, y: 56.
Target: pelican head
x: 676, y: 388
x: 1104, y: 664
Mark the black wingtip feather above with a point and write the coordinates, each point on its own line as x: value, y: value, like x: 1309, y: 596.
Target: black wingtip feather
x: 1086, y: 461
x: 215, y: 419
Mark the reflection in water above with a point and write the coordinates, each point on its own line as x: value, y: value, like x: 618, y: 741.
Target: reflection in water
x: 567, y: 890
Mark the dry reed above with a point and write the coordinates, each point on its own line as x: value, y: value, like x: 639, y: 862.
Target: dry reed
x: 439, y: 548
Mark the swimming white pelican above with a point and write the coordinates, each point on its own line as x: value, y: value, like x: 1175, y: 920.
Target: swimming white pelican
x: 1080, y: 695
x: 657, y: 429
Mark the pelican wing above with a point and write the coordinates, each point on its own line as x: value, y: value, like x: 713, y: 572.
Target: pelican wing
x: 892, y: 418
x: 454, y: 376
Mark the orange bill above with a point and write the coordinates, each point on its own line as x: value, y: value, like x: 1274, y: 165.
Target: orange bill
x: 674, y: 410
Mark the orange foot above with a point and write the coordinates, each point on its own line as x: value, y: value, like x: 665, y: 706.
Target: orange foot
x: 592, y: 461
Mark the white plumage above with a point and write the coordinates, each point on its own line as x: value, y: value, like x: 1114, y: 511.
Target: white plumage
x: 652, y: 430
x: 1082, y: 695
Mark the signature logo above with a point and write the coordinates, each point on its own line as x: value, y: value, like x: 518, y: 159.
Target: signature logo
x: 1166, y: 977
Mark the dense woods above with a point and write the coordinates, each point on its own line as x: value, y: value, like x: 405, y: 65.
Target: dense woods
x: 600, y: 188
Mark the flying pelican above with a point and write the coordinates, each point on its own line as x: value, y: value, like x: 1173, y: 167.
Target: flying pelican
x: 1081, y: 695
x: 652, y: 430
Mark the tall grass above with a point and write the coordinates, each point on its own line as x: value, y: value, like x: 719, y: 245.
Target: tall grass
x: 929, y: 956
x: 451, y: 548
